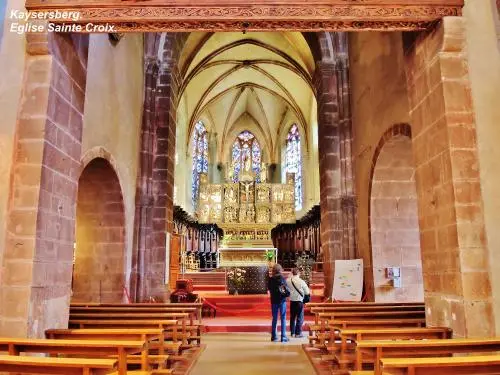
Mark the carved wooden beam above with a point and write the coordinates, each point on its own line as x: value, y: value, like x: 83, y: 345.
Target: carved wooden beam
x: 245, y: 15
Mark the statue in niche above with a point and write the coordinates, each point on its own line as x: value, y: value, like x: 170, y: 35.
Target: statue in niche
x: 230, y: 196
x: 263, y: 173
x: 246, y: 174
x: 229, y: 214
x: 277, y: 213
x: 263, y: 194
x: 230, y: 172
x: 288, y: 212
x: 278, y: 194
x: 205, y: 213
x: 251, y: 214
x: 263, y: 215
x: 243, y: 214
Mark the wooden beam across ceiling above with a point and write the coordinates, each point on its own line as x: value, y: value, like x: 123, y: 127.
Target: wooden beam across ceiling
x: 256, y: 15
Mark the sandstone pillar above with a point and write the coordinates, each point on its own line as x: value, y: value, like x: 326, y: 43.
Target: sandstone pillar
x: 337, y: 203
x: 455, y: 262
x: 156, y: 178
x: 36, y: 283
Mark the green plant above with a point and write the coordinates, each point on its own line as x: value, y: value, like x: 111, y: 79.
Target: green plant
x: 269, y: 255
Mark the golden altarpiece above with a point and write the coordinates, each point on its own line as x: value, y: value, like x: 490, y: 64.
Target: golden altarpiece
x: 246, y: 211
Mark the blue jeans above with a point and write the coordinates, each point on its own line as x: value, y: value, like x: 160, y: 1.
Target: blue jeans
x: 296, y: 317
x: 281, y: 307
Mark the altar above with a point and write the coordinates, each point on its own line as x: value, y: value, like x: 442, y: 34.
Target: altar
x: 247, y: 208
x: 237, y: 257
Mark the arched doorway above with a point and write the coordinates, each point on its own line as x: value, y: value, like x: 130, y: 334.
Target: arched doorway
x: 98, y: 272
x: 395, y: 236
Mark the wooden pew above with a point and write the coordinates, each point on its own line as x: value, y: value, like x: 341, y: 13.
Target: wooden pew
x: 367, y: 351
x: 328, y: 309
x: 190, y: 332
x: 153, y: 336
x: 310, y: 305
x: 324, y: 319
x: 164, y: 324
x: 344, y: 354
x: 192, y: 311
x: 359, y: 315
x: 122, y: 309
x: 487, y: 364
x: 333, y: 326
x: 329, y: 312
x: 131, y: 315
x: 63, y: 366
x: 196, y: 305
x: 91, y: 348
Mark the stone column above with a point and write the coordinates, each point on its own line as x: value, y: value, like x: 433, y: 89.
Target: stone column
x: 455, y: 257
x: 337, y: 201
x: 144, y: 194
x: 329, y: 165
x: 36, y: 283
x: 156, y: 178
x: 348, y: 198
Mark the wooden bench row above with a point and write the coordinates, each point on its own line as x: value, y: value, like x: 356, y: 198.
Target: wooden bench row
x: 428, y: 351
x: 124, y: 335
x: 145, y: 307
x: 189, y: 332
x: 327, y: 322
x: 121, y: 352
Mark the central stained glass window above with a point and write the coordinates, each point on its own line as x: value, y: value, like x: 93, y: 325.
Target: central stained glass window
x: 246, y: 147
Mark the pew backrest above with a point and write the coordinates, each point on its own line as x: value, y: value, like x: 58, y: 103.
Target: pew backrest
x: 489, y: 364
x: 51, y: 365
x: 419, y: 348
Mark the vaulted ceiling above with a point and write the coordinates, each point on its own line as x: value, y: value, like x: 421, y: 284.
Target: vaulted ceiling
x: 256, y: 81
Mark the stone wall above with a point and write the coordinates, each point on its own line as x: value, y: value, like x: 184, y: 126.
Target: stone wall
x: 379, y: 100
x: 455, y: 257
x: 395, y: 236
x: 98, y: 274
x: 483, y: 54
x: 112, y: 121
x: 41, y: 215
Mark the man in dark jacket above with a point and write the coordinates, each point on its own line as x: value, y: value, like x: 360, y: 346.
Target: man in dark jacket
x: 278, y: 301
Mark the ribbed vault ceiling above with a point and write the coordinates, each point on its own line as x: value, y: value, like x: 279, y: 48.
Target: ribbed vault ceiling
x: 231, y: 80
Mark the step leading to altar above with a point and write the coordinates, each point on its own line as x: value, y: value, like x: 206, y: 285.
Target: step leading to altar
x: 215, y: 282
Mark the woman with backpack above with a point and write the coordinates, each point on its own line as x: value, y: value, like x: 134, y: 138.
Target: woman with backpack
x: 279, y: 291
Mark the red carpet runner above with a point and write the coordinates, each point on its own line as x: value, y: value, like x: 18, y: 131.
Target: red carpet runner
x: 241, y: 313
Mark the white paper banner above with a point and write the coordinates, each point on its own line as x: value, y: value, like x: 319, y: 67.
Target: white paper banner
x: 348, y: 280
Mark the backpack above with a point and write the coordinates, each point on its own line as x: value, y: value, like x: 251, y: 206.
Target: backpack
x: 305, y: 298
x: 284, y: 291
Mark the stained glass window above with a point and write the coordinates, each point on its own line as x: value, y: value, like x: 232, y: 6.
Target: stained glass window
x: 294, y: 162
x: 199, y: 144
x: 246, y: 147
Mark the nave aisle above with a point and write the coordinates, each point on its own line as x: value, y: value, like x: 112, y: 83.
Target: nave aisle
x: 251, y: 354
